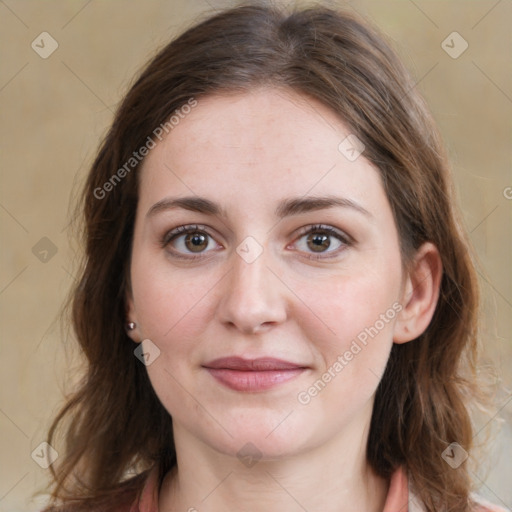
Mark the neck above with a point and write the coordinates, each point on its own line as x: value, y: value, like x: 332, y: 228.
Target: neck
x: 332, y: 477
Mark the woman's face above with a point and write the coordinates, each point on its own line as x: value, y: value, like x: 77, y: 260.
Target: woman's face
x: 266, y: 270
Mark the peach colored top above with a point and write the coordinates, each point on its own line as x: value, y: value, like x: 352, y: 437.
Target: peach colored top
x: 399, y: 498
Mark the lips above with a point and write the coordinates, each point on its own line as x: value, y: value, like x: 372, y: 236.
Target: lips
x: 258, y: 374
x: 261, y: 364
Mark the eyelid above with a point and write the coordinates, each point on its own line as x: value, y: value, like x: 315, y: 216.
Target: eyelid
x: 183, y: 230
x: 343, y: 237
x: 175, y: 233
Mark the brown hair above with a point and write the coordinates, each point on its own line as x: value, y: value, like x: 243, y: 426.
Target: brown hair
x: 117, y: 425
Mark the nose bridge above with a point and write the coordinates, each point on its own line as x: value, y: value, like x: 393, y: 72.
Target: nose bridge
x: 252, y: 297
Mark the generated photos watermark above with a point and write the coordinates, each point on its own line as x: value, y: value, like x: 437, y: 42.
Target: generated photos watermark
x: 356, y: 346
x: 137, y: 156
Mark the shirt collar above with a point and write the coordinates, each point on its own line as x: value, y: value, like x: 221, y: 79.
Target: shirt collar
x: 399, y: 499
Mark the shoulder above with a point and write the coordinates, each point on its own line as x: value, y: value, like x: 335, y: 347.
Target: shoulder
x: 480, y: 504
x: 486, y: 506
x: 137, y: 494
x: 147, y: 499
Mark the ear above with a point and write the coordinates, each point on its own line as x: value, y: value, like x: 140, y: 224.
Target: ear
x: 131, y: 316
x: 420, y: 294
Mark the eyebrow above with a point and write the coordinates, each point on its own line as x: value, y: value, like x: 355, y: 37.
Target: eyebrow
x: 286, y: 208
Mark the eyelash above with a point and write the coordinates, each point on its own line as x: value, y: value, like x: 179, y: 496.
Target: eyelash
x: 317, y: 228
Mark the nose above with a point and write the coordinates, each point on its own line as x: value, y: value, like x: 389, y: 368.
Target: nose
x: 253, y: 299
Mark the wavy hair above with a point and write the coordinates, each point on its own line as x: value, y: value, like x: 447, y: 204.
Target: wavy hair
x: 114, y: 427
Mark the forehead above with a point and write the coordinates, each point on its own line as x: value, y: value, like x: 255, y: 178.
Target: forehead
x: 260, y: 145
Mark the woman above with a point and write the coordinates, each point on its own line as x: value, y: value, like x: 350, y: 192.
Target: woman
x: 277, y: 304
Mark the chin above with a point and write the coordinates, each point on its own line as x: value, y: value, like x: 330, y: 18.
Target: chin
x: 256, y: 445
x: 264, y: 435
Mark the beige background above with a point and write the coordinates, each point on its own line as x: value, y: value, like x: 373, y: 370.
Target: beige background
x: 55, y: 110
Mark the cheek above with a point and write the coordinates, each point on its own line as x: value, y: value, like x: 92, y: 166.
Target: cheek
x: 346, y: 306
x: 172, y: 311
x: 168, y: 302
x: 350, y: 362
x: 349, y: 323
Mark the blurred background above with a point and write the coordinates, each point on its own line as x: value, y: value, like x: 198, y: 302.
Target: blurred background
x: 65, y: 65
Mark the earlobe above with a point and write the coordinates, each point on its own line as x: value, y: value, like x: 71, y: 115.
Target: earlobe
x: 420, y: 294
x: 130, y: 325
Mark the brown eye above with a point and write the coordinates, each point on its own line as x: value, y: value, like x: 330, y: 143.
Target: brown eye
x: 196, y: 242
x: 188, y: 242
x: 318, y: 242
x: 322, y: 242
